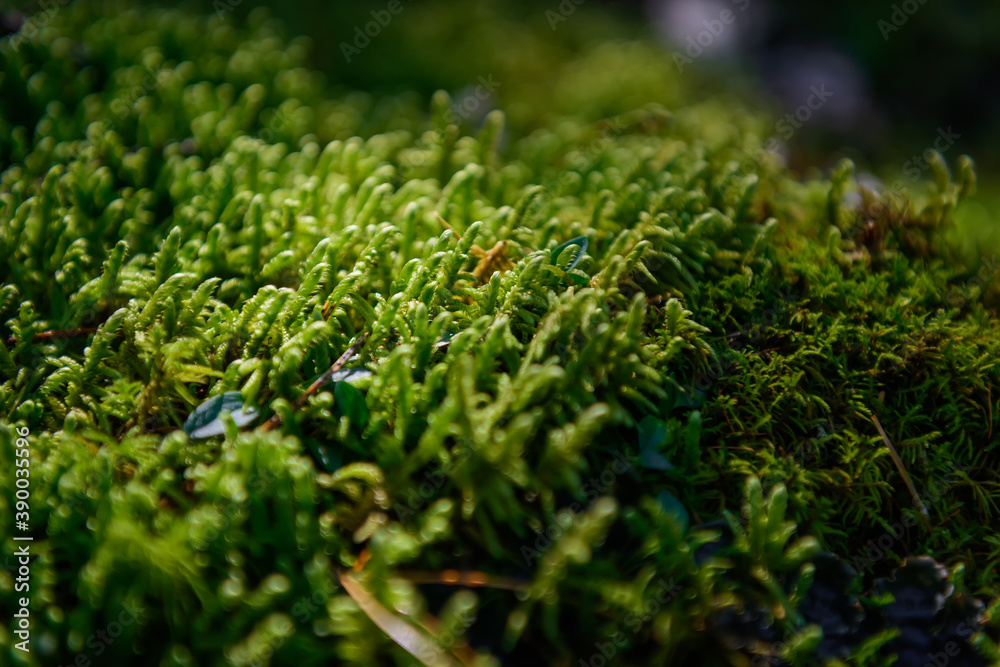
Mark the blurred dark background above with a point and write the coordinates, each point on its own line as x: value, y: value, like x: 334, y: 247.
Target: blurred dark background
x: 899, y: 73
x: 902, y: 70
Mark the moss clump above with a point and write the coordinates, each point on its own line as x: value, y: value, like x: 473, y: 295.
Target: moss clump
x: 588, y: 343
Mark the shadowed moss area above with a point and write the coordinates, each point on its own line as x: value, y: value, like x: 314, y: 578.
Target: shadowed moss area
x: 611, y: 354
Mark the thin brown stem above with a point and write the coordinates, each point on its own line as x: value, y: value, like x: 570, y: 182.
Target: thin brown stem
x: 56, y: 334
x: 467, y: 579
x: 274, y: 421
x: 902, y: 471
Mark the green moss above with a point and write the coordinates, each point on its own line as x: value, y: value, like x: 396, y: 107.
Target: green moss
x: 205, y: 215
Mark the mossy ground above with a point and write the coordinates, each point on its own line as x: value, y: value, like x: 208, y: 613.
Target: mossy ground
x: 210, y: 215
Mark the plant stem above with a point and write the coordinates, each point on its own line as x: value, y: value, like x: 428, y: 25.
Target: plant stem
x: 273, y: 422
x: 906, y: 477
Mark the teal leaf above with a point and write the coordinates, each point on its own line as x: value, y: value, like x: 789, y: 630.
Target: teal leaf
x: 652, y: 436
x: 352, y: 403
x: 654, y: 460
x: 206, y: 421
x: 580, y: 242
x: 687, y: 400
x: 346, y: 375
x: 652, y: 433
x: 351, y: 375
x: 445, y: 340
x: 675, y: 510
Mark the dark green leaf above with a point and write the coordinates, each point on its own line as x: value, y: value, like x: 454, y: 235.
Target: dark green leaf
x: 692, y: 440
x: 652, y: 436
x: 352, y: 403
x: 581, y: 247
x: 652, y: 433
x: 675, y: 510
x: 692, y: 432
x: 206, y: 422
x: 654, y: 460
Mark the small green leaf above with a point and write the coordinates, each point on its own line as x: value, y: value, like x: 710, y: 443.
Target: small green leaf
x: 580, y: 242
x: 654, y: 460
x: 352, y: 403
x: 684, y: 399
x: 652, y: 433
x: 206, y: 422
x: 691, y: 434
x: 675, y: 510
x: 652, y: 436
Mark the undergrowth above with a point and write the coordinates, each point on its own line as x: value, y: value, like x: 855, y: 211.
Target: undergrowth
x: 590, y: 336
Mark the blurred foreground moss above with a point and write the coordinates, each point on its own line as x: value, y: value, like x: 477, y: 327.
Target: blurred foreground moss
x: 617, y: 359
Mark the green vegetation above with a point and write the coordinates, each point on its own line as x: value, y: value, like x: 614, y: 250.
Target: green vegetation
x: 617, y: 354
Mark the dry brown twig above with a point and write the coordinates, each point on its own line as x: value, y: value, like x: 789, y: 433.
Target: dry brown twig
x: 906, y: 477
x: 490, y: 261
x: 420, y: 645
x: 275, y: 420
